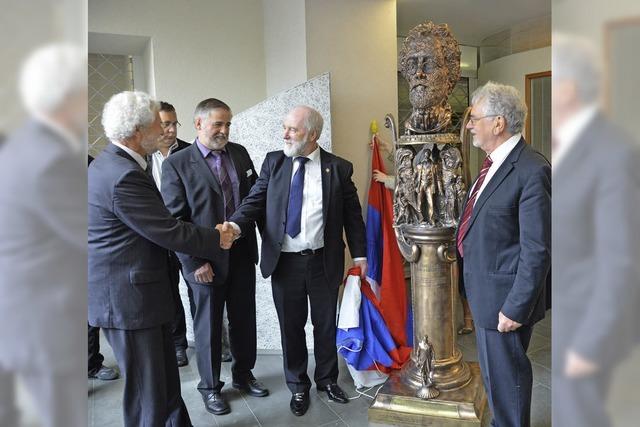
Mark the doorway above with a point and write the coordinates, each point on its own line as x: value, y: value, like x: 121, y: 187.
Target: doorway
x: 538, y: 99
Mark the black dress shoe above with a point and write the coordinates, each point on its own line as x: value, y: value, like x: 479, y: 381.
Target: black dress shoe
x: 105, y: 374
x: 252, y: 387
x: 299, y: 403
x: 181, y: 356
x: 216, y: 404
x: 335, y: 393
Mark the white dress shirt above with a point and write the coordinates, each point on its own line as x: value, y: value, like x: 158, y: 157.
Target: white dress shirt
x: 311, y: 223
x: 498, y: 157
x: 568, y: 133
x: 157, y: 159
x: 137, y: 157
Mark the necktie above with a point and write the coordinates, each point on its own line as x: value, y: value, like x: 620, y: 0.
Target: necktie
x: 468, y: 209
x: 225, y: 184
x: 294, y: 210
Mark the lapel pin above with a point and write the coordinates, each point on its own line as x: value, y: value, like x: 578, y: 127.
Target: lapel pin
x: 327, y: 170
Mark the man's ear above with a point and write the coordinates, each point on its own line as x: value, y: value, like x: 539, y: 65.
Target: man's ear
x: 198, y: 123
x: 500, y: 127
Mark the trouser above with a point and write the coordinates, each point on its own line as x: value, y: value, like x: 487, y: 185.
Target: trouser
x: 507, y: 375
x: 299, y: 280
x: 147, y: 359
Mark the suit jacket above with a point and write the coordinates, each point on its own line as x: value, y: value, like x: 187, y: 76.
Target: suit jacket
x: 43, y: 251
x: 130, y: 231
x: 507, y: 248
x: 595, y: 244
x: 181, y: 146
x: 341, y: 210
x: 192, y: 193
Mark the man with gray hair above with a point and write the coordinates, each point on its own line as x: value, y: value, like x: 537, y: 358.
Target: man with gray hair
x: 596, y: 249
x: 43, y: 256
x: 129, y: 232
x: 504, y: 249
x: 307, y: 199
x: 203, y: 185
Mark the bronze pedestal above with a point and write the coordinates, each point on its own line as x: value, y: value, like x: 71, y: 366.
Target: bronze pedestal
x: 462, y: 398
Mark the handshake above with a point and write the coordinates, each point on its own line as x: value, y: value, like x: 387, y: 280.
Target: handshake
x: 228, y: 234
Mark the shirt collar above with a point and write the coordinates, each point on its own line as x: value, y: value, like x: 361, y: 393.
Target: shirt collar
x: 173, y: 147
x: 313, y: 156
x: 137, y: 157
x: 206, y: 151
x: 499, y: 154
x: 568, y: 133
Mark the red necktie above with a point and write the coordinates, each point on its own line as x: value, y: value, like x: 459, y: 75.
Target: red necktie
x: 468, y: 209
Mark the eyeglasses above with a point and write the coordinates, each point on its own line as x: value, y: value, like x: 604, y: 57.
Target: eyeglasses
x: 167, y: 125
x: 474, y: 120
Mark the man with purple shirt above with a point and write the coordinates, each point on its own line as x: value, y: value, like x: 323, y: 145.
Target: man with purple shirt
x: 204, y: 184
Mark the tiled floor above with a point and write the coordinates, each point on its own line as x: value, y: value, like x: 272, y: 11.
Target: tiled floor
x: 273, y: 411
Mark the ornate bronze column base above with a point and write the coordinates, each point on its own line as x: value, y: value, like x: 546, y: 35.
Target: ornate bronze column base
x: 397, y: 404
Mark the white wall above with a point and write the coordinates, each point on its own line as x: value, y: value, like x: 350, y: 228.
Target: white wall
x: 199, y: 49
x: 512, y: 69
x: 588, y: 18
x: 355, y: 41
x: 285, y: 46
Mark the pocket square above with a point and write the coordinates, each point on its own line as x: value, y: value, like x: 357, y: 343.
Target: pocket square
x: 249, y: 173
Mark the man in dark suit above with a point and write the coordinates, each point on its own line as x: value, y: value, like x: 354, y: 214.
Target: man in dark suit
x: 203, y: 185
x: 95, y: 367
x: 596, y: 250
x: 167, y: 145
x: 504, y: 249
x: 307, y: 199
x: 130, y: 295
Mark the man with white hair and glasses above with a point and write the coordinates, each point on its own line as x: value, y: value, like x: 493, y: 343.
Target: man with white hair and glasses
x: 504, y: 249
x: 130, y: 232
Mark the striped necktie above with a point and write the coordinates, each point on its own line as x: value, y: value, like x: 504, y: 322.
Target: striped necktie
x: 468, y: 209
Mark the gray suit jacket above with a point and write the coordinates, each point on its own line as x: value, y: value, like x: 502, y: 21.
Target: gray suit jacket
x: 130, y: 231
x: 596, y: 247
x: 507, y: 248
x: 43, y: 256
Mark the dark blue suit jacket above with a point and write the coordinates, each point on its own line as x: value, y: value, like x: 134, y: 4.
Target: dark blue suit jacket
x: 130, y: 231
x: 341, y: 211
x: 507, y: 248
x: 193, y: 194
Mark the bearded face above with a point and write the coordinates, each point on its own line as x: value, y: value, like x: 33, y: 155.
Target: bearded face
x: 425, y: 70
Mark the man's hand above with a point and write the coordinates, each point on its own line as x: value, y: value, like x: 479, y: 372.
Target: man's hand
x: 384, y: 145
x: 204, y: 274
x: 576, y: 366
x: 363, y: 268
x: 379, y: 176
x: 507, y: 325
x: 227, y: 235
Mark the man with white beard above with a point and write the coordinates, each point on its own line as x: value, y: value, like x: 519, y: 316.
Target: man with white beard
x: 306, y: 198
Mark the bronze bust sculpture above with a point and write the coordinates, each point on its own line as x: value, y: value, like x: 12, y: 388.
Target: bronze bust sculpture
x: 430, y: 62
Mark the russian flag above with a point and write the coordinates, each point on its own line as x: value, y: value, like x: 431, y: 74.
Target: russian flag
x: 378, y: 337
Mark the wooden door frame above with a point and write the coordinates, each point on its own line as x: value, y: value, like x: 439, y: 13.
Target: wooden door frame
x: 527, y: 98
